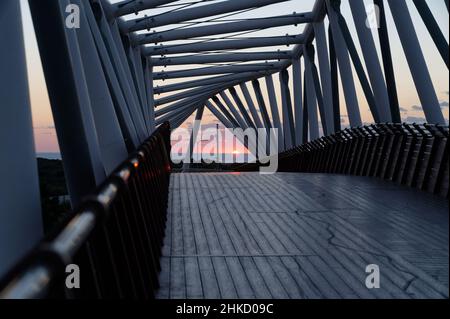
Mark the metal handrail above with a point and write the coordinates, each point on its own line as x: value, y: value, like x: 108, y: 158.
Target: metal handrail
x: 414, y: 155
x: 139, y: 189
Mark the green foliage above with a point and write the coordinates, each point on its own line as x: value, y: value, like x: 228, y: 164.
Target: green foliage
x: 52, y: 185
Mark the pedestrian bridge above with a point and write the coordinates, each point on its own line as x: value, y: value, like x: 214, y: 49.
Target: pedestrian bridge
x: 359, y: 194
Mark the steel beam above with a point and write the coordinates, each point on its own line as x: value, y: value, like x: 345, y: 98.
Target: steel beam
x: 221, y: 117
x: 195, y: 129
x: 298, y: 100
x: 313, y: 117
x: 433, y: 28
x: 176, y: 122
x: 178, y: 106
x: 110, y: 138
x: 251, y: 106
x: 224, y: 110
x: 215, y: 70
x: 371, y: 58
x: 20, y: 208
x: 262, y: 104
x: 188, y: 108
x: 225, y: 120
x: 334, y: 84
x: 325, y: 73
x: 385, y: 47
x: 223, y: 45
x: 119, y: 63
x: 274, y: 110
x: 222, y: 28
x: 195, y: 92
x: 193, y: 13
x: 345, y: 68
x: 416, y: 61
x: 222, y: 58
x: 233, y: 110
x: 241, y: 107
x: 69, y: 98
x: 121, y: 42
x: 288, y: 118
x: 207, y: 81
x: 148, y: 71
x: 135, y: 6
x: 128, y: 128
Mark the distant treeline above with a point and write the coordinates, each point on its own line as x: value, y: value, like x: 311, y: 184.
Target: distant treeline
x: 52, y: 185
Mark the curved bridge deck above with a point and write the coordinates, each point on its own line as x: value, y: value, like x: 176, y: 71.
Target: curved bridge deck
x: 301, y: 236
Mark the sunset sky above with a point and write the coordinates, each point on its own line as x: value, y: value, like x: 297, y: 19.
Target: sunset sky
x: 45, y: 135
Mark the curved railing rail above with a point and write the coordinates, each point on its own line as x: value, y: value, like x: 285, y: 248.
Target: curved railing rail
x: 114, y: 238
x: 415, y: 155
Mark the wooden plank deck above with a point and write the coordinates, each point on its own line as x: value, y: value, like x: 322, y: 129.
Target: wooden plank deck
x: 301, y: 236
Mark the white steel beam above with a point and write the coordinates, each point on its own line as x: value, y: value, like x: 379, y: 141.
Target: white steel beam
x: 251, y: 106
x: 220, y: 58
x: 416, y: 62
x: 345, y: 68
x: 134, y: 6
x: 222, y: 28
x: 207, y: 81
x: 313, y: 117
x: 274, y: 110
x: 298, y: 100
x: 288, y: 120
x: 215, y: 70
x: 325, y: 73
x: 222, y: 45
x: 20, y: 208
x: 193, y: 13
x: 371, y: 58
x: 233, y: 110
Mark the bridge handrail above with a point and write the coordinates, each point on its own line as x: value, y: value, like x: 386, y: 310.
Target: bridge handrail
x: 414, y: 155
x: 122, y: 223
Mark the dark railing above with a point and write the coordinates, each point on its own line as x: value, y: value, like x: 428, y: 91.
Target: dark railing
x: 408, y: 154
x: 114, y: 237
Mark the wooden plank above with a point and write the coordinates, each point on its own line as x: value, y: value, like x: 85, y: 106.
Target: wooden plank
x: 301, y: 236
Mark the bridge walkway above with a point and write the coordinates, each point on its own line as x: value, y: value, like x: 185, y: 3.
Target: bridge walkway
x: 246, y: 235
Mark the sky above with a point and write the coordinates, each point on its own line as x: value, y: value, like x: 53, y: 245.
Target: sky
x: 45, y: 135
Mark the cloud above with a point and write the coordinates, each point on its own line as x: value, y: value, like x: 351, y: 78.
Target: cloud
x: 444, y: 104
x: 402, y: 109
x: 415, y: 119
x: 416, y: 107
